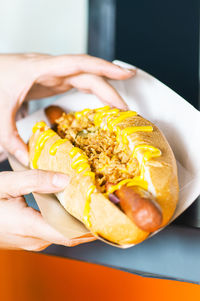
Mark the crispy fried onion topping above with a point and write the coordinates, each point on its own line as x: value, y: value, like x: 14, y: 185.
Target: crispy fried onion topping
x: 110, y: 161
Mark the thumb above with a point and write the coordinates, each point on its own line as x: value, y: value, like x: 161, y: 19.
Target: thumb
x: 14, y: 184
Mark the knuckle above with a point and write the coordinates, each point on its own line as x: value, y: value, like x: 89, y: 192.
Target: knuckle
x: 37, y: 247
x: 70, y: 243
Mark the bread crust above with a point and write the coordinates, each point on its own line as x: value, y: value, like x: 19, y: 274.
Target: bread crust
x: 107, y: 220
x: 161, y: 171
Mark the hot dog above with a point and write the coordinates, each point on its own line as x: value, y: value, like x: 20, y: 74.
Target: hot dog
x: 103, y: 146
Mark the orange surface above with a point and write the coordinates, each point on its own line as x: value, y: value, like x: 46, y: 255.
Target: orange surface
x: 27, y: 276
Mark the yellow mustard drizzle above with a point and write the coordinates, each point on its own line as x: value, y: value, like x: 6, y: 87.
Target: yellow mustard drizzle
x: 129, y: 182
x: 40, y: 143
x: 102, y: 109
x: 74, y: 151
x: 86, y: 213
x: 149, y: 152
x: 113, y: 118
x: 55, y: 146
x: 81, y: 165
x: 130, y: 130
x: 123, y: 115
x: 101, y: 169
x: 82, y: 113
x: 81, y: 159
x: 38, y: 125
x: 90, y: 174
x: 98, y: 117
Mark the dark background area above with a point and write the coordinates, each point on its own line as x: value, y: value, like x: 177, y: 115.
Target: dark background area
x: 160, y: 37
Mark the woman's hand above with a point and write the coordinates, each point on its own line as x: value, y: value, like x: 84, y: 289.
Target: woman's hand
x: 22, y: 227
x: 33, y: 76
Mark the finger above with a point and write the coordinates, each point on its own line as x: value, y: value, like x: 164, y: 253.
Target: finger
x: 37, y: 227
x: 100, y: 87
x: 38, y: 91
x: 14, y: 184
x: 18, y: 242
x: 24, y: 224
x: 9, y: 136
x: 33, y: 244
x: 66, y: 65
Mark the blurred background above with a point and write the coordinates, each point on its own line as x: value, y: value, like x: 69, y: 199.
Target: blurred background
x: 52, y: 27
x: 55, y: 27
x: 161, y: 37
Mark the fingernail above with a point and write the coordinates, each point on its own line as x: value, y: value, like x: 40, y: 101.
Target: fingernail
x: 126, y: 108
x: 60, y: 180
x: 130, y: 70
x: 22, y: 157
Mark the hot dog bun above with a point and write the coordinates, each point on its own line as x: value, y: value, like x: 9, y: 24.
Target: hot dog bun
x: 106, y: 219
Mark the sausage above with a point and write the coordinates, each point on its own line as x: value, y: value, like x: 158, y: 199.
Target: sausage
x: 53, y: 113
x: 139, y: 206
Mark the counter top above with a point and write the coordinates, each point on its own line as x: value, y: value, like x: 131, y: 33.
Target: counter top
x: 174, y: 253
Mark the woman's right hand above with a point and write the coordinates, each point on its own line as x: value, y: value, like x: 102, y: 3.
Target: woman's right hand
x: 34, y: 76
x: 22, y: 227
